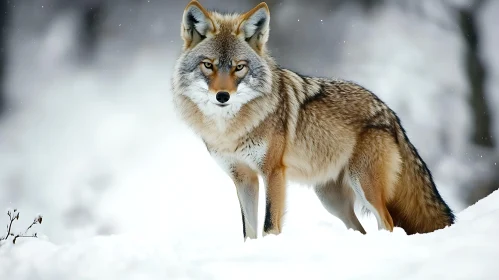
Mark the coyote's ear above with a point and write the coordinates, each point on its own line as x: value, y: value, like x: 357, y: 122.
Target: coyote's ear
x: 196, y: 24
x: 254, y: 26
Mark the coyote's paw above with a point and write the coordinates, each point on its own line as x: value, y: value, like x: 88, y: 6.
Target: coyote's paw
x: 273, y: 231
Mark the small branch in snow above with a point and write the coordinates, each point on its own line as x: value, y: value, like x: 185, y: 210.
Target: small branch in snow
x: 14, y: 215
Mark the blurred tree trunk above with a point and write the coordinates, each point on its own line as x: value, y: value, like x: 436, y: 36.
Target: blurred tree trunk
x: 92, y: 13
x: 4, y: 7
x: 477, y: 76
x: 476, y: 72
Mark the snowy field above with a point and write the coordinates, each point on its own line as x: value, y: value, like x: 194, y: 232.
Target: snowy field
x: 315, y: 248
x: 128, y: 192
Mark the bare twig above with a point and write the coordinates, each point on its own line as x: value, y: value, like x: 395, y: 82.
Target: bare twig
x: 19, y: 235
x: 14, y: 215
x: 37, y: 220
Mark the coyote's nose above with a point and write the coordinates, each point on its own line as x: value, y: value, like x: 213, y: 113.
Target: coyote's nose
x: 223, y: 96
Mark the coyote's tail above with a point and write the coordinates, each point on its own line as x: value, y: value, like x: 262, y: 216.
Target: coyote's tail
x: 417, y: 206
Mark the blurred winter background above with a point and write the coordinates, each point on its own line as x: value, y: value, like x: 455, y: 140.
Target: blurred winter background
x: 89, y: 138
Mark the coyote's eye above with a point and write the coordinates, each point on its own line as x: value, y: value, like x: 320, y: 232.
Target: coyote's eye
x: 240, y: 67
x: 208, y: 65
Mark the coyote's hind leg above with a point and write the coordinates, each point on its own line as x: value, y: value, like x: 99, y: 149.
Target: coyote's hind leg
x: 339, y: 199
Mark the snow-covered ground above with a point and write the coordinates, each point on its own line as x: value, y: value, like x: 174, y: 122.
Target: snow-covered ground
x: 128, y: 192
x: 318, y: 248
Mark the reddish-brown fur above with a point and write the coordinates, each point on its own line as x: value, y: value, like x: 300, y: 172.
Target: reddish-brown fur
x: 222, y: 82
x: 371, y: 163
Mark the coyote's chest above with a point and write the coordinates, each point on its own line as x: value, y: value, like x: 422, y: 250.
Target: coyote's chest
x: 248, y: 151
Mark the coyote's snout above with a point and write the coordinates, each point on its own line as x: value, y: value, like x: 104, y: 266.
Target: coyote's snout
x: 259, y: 119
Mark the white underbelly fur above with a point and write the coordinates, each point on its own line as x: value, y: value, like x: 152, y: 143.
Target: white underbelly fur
x: 301, y: 166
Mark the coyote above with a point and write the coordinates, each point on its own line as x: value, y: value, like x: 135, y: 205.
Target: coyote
x: 258, y: 119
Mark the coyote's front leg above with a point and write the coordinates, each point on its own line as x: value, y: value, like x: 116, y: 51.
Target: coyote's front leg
x: 246, y: 181
x: 275, y: 184
x: 275, y: 196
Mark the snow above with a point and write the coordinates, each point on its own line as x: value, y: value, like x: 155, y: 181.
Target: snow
x: 315, y: 250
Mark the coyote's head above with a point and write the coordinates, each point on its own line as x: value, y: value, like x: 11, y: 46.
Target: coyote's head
x: 224, y: 63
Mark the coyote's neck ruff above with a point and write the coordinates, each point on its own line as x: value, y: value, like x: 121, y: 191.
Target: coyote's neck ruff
x: 258, y: 119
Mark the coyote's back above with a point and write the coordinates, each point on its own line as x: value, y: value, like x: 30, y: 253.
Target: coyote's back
x: 259, y: 119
